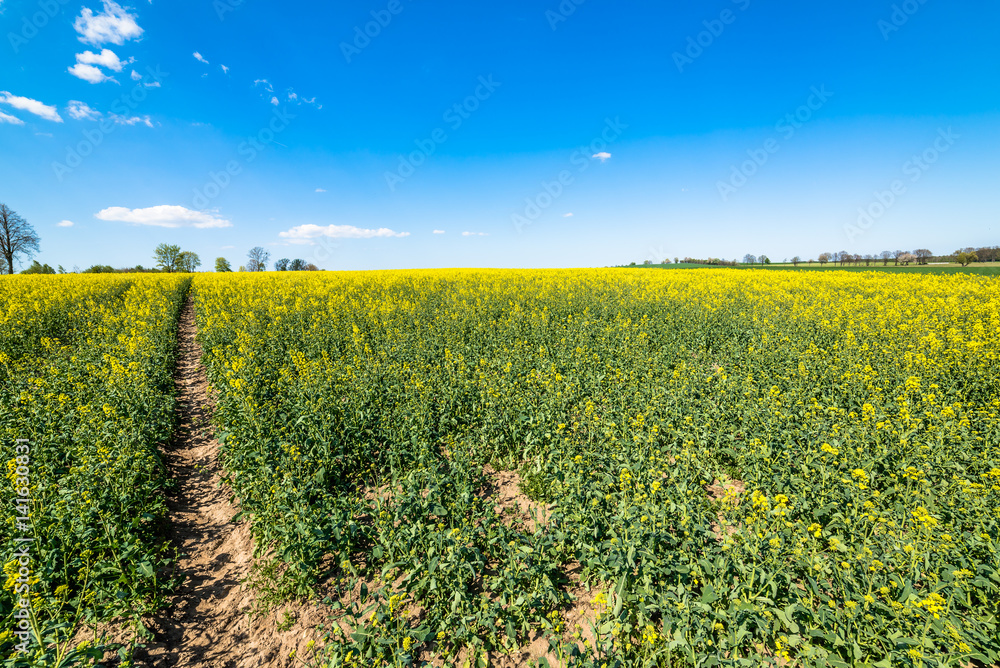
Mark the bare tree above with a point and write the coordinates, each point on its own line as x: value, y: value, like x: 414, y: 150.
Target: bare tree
x: 749, y: 259
x: 823, y: 258
x: 922, y: 255
x: 258, y: 259
x: 17, y: 238
x: 896, y: 255
x: 886, y: 256
x: 796, y: 260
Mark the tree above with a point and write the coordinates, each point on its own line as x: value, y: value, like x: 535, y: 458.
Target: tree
x: 297, y: 265
x: 988, y: 253
x: 17, y: 238
x: 166, y: 256
x: 886, y: 256
x: 187, y: 262
x: 922, y: 255
x: 37, y: 268
x: 965, y: 259
x: 310, y: 267
x: 764, y: 259
x: 222, y: 265
x: 906, y: 258
x: 282, y: 264
x: 823, y: 258
x: 258, y: 258
x: 796, y: 260
x: 896, y: 254
x: 749, y: 259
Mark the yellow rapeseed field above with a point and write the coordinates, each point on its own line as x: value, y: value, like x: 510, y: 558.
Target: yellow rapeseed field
x: 85, y: 380
x: 724, y: 467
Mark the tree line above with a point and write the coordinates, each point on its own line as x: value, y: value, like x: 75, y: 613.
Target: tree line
x: 171, y: 258
x: 920, y: 256
x: 20, y: 242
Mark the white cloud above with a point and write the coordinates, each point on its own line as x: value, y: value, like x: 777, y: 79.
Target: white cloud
x: 225, y: 70
x: 135, y: 75
x: 320, y: 190
x: 89, y: 73
x: 200, y: 58
x: 81, y: 111
x: 132, y: 120
x: 602, y: 156
x: 164, y: 215
x: 294, y: 98
x: 475, y: 234
x: 35, y: 107
x: 438, y: 231
x: 567, y: 215
x: 274, y: 101
x: 152, y: 84
x: 112, y: 26
x: 65, y: 223
x: 304, y: 234
x: 106, y: 58
x: 7, y: 118
x: 265, y: 83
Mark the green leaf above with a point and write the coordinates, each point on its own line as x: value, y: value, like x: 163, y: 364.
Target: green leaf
x: 146, y: 569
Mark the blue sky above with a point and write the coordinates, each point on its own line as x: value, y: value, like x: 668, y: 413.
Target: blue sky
x: 502, y: 134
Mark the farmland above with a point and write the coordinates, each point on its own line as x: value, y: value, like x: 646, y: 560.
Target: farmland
x: 717, y: 467
x: 85, y: 378
x: 584, y: 467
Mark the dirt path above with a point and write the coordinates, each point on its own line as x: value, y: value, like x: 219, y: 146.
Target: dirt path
x: 208, y: 624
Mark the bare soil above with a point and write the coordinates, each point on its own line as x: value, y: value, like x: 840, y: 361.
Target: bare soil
x: 727, y: 492
x: 505, y: 487
x: 208, y: 623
